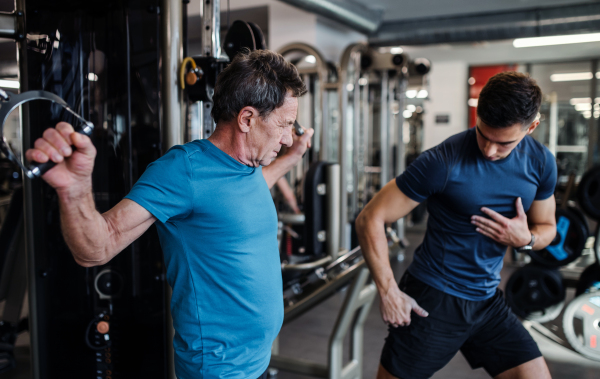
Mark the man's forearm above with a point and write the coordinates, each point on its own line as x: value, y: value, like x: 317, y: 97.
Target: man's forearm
x: 84, y: 229
x: 278, y: 168
x: 373, y: 242
x: 544, y: 234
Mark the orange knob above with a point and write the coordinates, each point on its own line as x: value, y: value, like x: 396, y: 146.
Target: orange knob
x: 102, y: 327
x: 191, y: 78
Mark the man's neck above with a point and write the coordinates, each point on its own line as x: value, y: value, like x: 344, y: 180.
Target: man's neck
x: 231, y: 143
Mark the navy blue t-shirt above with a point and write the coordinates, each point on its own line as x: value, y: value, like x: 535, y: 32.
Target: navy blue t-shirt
x: 458, y: 181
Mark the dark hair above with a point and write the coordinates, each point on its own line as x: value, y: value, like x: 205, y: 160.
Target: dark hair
x: 509, y: 98
x: 258, y: 79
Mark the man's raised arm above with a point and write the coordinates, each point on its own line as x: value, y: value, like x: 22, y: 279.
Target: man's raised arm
x: 93, y: 238
x: 283, y: 164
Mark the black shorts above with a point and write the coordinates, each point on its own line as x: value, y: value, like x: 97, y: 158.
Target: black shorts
x: 487, y: 333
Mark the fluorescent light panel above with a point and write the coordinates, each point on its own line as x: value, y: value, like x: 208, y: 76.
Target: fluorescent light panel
x: 556, y: 40
x: 572, y: 76
x: 583, y: 100
x: 583, y: 107
x: 9, y: 83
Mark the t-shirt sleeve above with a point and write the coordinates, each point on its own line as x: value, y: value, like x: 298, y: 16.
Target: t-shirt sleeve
x: 165, y: 189
x: 548, y: 179
x: 426, y: 176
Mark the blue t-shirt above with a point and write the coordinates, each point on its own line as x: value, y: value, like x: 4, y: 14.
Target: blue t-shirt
x: 458, y: 181
x: 217, y: 225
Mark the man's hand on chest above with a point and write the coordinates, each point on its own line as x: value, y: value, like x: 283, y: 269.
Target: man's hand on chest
x: 512, y: 232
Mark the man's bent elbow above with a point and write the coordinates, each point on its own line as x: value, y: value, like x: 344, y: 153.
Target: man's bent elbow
x: 363, y: 220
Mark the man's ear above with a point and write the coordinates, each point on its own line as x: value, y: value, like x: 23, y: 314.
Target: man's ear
x: 532, y: 127
x: 246, y: 119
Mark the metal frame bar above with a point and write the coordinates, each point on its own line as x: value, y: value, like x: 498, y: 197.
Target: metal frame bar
x: 402, y: 83
x: 319, y: 98
x: 333, y: 211
x: 171, y: 46
x: 211, y: 22
x: 384, y: 130
x: 351, y: 54
x: 593, y: 122
x: 352, y: 317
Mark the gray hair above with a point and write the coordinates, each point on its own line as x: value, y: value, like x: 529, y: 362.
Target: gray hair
x: 259, y: 79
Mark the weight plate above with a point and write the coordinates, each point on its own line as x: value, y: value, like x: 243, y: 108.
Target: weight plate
x: 259, y: 38
x: 581, y: 324
x: 239, y: 36
x: 581, y: 216
x: 589, y: 278
x: 535, y: 293
x: 588, y: 192
x: 569, y: 242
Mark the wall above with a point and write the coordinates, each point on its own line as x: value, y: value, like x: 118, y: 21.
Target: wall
x: 447, y: 96
x: 448, y: 77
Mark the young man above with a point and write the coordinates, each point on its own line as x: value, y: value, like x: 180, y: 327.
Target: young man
x: 215, y: 217
x: 489, y: 187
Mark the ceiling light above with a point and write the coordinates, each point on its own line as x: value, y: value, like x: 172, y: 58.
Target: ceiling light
x: 349, y: 87
x: 473, y: 102
x: 363, y: 81
x: 571, y: 76
x: 411, y: 107
x: 582, y: 100
x: 9, y: 83
x: 472, y: 80
x: 587, y: 114
x: 556, y: 40
x: 411, y: 94
x: 92, y: 77
x: 310, y: 59
x: 583, y: 107
x: 422, y: 94
x: 407, y: 114
x: 396, y: 50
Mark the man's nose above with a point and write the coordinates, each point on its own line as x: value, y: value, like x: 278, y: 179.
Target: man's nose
x: 489, y: 149
x: 286, y: 138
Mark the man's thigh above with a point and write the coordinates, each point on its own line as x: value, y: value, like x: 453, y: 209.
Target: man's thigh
x: 499, y: 341
x: 428, y: 343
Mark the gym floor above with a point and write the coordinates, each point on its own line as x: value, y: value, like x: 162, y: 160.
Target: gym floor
x: 307, y: 338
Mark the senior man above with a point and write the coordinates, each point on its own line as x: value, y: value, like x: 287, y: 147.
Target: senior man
x: 214, y: 213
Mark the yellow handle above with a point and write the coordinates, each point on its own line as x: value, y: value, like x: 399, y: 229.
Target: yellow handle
x: 182, y: 70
